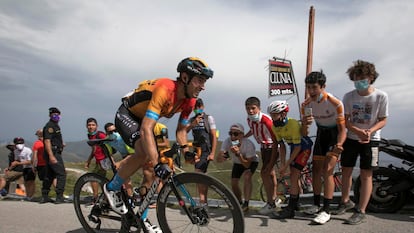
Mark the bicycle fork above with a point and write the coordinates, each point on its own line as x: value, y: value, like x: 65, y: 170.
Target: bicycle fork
x: 197, y: 215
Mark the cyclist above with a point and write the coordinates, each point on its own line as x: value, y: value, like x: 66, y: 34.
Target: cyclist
x: 288, y: 131
x: 328, y: 113
x: 138, y: 114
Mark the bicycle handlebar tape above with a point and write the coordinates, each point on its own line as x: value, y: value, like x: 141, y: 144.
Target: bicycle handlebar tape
x: 162, y: 170
x: 168, y: 161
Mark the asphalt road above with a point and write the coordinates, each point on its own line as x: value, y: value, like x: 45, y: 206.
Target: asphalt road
x: 32, y: 217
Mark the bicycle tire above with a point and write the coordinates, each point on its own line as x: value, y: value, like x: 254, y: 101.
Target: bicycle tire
x: 223, y: 213
x: 96, y: 217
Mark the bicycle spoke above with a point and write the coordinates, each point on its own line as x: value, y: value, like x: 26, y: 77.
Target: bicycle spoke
x: 221, y: 214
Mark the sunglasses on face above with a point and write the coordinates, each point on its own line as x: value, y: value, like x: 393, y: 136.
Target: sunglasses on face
x: 234, y: 134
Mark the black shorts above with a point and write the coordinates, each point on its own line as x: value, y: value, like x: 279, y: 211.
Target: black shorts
x: 266, y: 154
x: 353, y: 149
x: 238, y: 169
x: 326, y: 138
x: 28, y: 174
x: 202, y: 165
x: 41, y: 172
x: 127, y: 125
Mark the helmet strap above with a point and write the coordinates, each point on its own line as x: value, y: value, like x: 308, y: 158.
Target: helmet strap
x: 186, y: 85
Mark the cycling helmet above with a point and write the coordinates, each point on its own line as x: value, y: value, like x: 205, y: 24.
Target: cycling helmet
x: 18, y: 140
x: 278, y: 106
x: 195, y: 66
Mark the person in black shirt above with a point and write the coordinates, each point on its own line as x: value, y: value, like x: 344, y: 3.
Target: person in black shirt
x: 52, y: 139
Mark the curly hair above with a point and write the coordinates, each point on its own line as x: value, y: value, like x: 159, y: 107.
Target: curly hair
x: 360, y: 68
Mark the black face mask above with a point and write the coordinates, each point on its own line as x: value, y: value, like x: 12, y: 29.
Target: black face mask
x: 280, y: 123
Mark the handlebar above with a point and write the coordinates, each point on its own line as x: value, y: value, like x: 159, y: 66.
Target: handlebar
x: 98, y: 141
x: 167, y: 155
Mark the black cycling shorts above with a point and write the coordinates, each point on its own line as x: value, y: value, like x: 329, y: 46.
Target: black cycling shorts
x: 127, y: 125
x: 326, y: 138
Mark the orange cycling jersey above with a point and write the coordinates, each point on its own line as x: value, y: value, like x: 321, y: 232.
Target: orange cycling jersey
x: 158, y: 98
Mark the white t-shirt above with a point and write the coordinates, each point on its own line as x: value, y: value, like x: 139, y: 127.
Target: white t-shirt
x: 364, y: 111
x: 247, y: 149
x: 23, y: 155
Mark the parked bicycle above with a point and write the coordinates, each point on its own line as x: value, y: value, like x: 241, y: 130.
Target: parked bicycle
x: 305, y: 183
x: 177, y: 206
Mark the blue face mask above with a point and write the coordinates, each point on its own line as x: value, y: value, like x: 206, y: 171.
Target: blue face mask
x: 92, y: 133
x: 320, y: 97
x: 114, y: 136
x: 361, y: 85
x: 55, y: 118
x: 198, y: 111
x: 254, y: 117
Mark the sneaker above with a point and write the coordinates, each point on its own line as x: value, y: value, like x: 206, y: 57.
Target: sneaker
x: 45, y: 199
x: 283, y: 214
x: 151, y: 228
x: 343, y: 207
x: 3, y: 192
x: 322, y: 218
x: 356, y: 218
x: 59, y: 200
x: 278, y: 202
x: 311, y: 210
x: 267, y: 209
x: 245, y: 207
x: 115, y: 201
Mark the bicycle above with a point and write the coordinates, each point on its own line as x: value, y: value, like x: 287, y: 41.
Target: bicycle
x: 177, y: 208
x: 305, y: 183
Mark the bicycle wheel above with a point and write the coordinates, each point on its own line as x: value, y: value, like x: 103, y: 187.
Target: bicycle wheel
x: 95, y: 214
x: 222, y: 214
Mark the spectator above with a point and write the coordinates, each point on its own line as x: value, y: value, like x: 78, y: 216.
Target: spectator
x: 328, y: 113
x: 119, y: 146
x: 203, y: 128
x: 39, y: 162
x: 101, y: 160
x: 366, y: 112
x: 23, y: 157
x: 53, y: 145
x: 11, y: 174
x: 288, y: 131
x: 245, y: 162
x: 261, y: 128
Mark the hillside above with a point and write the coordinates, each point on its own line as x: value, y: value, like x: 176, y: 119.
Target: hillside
x: 73, y: 152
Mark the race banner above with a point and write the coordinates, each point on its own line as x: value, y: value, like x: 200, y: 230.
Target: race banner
x: 281, y: 78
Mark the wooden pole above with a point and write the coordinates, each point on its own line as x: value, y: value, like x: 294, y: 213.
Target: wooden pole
x: 310, y: 44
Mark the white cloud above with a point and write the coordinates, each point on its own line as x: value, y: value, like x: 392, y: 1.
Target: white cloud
x: 82, y: 56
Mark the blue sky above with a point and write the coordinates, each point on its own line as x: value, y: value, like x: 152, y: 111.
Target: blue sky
x: 83, y: 56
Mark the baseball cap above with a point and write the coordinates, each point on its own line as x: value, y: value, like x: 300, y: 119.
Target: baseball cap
x: 238, y: 127
x: 18, y: 140
x: 54, y: 110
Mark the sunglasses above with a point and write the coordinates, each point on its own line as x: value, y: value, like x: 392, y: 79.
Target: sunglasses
x: 234, y: 134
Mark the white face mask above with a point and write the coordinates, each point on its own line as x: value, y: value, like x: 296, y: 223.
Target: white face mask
x: 20, y: 146
x: 254, y: 117
x: 235, y: 143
